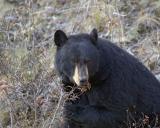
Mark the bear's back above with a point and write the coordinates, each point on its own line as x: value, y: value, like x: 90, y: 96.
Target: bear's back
x: 132, y: 75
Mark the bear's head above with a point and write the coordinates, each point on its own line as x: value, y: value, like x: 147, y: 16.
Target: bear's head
x: 77, y: 57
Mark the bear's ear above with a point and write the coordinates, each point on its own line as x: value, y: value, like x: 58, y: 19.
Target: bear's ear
x: 60, y: 38
x: 94, y: 35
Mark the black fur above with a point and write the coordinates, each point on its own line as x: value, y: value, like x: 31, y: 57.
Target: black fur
x: 118, y: 81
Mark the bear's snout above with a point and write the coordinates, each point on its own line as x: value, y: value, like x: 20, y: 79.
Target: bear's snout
x: 81, y: 76
x: 83, y: 81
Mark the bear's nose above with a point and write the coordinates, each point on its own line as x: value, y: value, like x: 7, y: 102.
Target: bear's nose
x: 83, y: 82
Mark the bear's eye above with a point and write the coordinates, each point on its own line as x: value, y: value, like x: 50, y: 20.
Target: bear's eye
x: 74, y: 60
x: 87, y: 61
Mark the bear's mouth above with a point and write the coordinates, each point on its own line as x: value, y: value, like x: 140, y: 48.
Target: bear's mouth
x: 85, y: 87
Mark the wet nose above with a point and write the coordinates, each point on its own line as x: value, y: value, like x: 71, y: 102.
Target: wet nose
x: 83, y: 81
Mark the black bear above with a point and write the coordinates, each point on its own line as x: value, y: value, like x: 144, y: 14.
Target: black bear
x: 111, y: 81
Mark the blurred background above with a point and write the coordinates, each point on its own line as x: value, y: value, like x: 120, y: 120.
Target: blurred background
x: 30, y: 92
